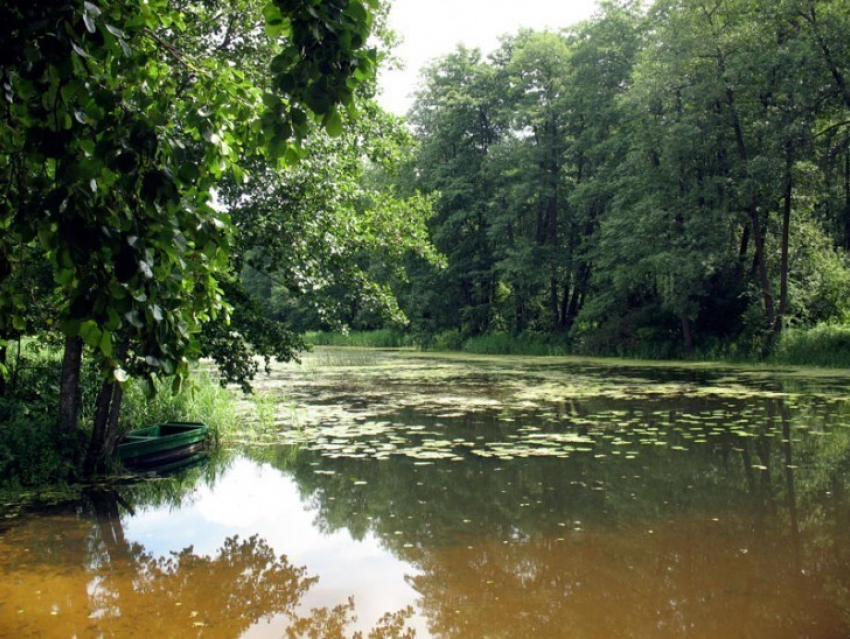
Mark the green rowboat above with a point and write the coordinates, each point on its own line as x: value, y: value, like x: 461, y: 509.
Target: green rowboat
x: 162, y: 445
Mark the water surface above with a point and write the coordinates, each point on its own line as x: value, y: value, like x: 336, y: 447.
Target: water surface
x: 391, y: 493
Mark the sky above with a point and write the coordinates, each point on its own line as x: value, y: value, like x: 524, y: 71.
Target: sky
x: 432, y: 28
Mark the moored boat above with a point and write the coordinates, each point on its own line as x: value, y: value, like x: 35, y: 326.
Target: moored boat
x: 162, y: 445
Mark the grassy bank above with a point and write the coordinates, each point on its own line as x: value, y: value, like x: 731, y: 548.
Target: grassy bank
x: 383, y: 338
x: 826, y: 345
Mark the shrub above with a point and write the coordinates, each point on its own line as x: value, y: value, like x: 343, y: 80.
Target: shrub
x: 823, y: 345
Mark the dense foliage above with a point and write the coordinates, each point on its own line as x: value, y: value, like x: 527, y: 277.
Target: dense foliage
x: 648, y: 182
x: 122, y: 122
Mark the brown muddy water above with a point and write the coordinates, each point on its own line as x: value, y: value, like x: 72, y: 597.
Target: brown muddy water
x: 391, y: 493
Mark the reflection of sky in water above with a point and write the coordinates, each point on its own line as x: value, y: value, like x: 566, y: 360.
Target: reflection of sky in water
x: 259, y: 500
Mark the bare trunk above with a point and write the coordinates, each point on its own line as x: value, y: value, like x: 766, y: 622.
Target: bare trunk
x: 564, y: 305
x: 743, y: 250
x: 847, y: 199
x: 554, y: 305
x: 98, y: 435
x: 69, y: 390
x: 687, y: 334
x: 104, y: 433
x: 783, y: 260
x: 112, y: 434
x: 577, y: 299
x: 4, y: 355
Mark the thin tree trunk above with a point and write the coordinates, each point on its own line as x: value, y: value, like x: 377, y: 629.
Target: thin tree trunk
x: 69, y: 390
x: 687, y: 334
x: 577, y: 299
x: 743, y: 249
x: 98, y: 433
x: 4, y: 357
x: 564, y: 304
x: 554, y: 305
x: 788, y: 191
x: 112, y: 434
x: 103, y: 436
x: 752, y: 212
x: 847, y: 199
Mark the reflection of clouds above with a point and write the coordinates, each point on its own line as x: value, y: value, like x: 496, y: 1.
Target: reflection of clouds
x: 251, y: 499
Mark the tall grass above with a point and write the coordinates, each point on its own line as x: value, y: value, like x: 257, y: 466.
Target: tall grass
x: 200, y: 400
x: 533, y: 344
x: 823, y: 345
x: 382, y: 338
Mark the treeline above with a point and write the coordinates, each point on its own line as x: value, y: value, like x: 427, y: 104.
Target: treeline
x: 661, y: 181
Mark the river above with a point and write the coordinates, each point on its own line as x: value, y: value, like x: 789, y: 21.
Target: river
x: 392, y: 493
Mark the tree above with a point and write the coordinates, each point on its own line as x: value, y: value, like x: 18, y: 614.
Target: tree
x: 454, y: 121
x: 318, y: 235
x: 112, y: 140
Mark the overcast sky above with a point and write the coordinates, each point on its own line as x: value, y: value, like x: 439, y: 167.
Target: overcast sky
x: 432, y: 28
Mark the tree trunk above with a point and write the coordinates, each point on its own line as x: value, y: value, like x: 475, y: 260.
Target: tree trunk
x: 752, y: 212
x: 69, y: 390
x: 847, y: 199
x: 554, y: 305
x: 4, y: 358
x: 104, y: 432
x: 112, y: 434
x: 828, y: 57
x: 761, y: 265
x: 687, y: 334
x: 564, y: 305
x: 94, y: 457
x: 582, y: 282
x: 788, y: 190
x: 743, y: 250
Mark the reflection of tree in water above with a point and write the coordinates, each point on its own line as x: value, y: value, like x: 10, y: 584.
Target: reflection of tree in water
x: 241, y: 584
x: 123, y: 590
x: 735, y: 534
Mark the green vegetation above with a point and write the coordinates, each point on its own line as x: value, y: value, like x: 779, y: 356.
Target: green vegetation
x: 826, y: 345
x: 126, y: 126
x: 524, y: 344
x: 662, y: 181
x: 382, y: 338
x: 823, y: 345
x: 36, y: 451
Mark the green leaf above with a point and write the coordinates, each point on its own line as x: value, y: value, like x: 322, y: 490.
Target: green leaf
x: 88, y: 20
x: 135, y: 319
x: 189, y: 172
x: 92, y: 9
x: 90, y: 333
x: 80, y: 52
x: 106, y: 344
x: 333, y: 123
x: 120, y: 375
x: 116, y: 32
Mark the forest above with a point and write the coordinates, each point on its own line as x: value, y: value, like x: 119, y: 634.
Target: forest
x: 656, y: 182
x: 184, y: 179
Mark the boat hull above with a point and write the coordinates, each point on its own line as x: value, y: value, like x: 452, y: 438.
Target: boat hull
x: 162, y: 445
